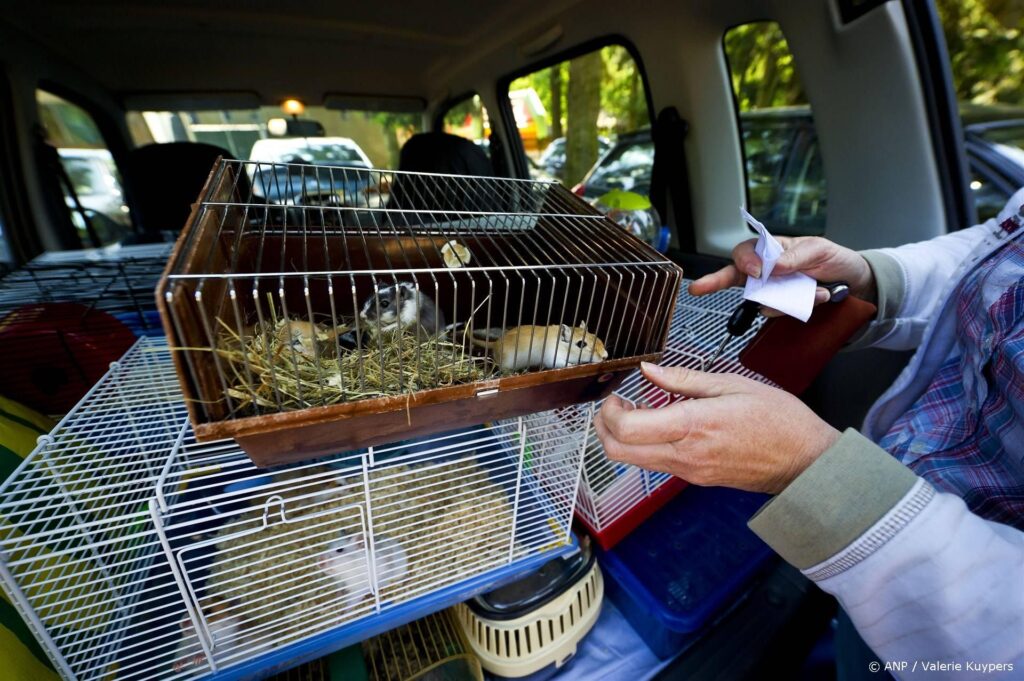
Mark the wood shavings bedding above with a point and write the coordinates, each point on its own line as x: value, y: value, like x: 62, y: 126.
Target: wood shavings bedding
x: 451, y: 520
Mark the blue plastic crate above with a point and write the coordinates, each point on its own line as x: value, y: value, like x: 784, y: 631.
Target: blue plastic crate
x: 686, y: 564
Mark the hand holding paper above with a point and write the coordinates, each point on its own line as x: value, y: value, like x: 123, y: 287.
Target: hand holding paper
x: 792, y: 294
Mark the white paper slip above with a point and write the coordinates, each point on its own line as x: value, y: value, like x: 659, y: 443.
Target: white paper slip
x: 791, y: 294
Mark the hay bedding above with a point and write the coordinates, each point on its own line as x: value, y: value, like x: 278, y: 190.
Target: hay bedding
x: 445, y: 534
x: 275, y: 363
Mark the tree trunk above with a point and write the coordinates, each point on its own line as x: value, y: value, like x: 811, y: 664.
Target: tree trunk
x: 583, y: 104
x: 637, y: 103
x: 555, y: 75
x: 766, y: 95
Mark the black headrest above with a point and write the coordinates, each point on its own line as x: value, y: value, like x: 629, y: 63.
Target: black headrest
x: 439, y: 152
x: 165, y: 180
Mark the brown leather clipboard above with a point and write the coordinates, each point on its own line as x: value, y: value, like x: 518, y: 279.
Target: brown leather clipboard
x: 792, y: 353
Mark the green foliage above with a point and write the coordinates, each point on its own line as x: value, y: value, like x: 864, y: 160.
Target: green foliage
x: 984, y: 38
x: 761, y: 65
x: 622, y: 90
x: 623, y: 100
x: 986, y: 47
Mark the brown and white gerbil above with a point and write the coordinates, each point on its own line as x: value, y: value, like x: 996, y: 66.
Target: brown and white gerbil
x: 549, y: 347
x: 306, y: 338
x: 402, y: 306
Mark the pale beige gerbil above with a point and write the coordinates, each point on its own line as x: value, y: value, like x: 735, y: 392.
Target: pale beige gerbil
x: 303, y: 337
x: 549, y: 347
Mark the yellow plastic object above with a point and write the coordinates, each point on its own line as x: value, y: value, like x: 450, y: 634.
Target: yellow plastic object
x: 548, y: 636
x: 623, y: 200
x: 23, y: 659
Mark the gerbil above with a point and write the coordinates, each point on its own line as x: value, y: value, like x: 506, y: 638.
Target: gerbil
x: 345, y: 560
x: 225, y: 629
x: 303, y: 337
x: 549, y: 347
x: 402, y: 306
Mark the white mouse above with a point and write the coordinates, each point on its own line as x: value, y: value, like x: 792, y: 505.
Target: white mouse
x: 345, y: 560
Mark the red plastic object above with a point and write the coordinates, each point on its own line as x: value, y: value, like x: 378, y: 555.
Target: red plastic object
x: 52, y: 353
x: 621, y: 527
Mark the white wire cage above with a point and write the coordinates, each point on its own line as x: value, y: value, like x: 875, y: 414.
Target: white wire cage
x: 135, y: 552
x: 397, y: 315
x: 614, y: 498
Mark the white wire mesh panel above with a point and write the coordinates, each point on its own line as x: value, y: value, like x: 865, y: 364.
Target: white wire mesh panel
x: 135, y: 552
x: 273, y: 557
x: 609, y: 491
x: 77, y: 546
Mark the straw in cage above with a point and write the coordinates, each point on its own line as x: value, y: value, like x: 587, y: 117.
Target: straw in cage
x: 432, y: 647
x: 293, y: 364
x: 315, y: 569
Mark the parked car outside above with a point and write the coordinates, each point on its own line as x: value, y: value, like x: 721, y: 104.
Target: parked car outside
x: 626, y: 165
x: 552, y: 159
x: 785, y: 177
x: 100, y: 199
x: 94, y: 178
x: 349, y: 186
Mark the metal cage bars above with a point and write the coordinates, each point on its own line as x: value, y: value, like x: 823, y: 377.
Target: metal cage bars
x: 121, y: 484
x: 545, y: 258
x: 610, y: 490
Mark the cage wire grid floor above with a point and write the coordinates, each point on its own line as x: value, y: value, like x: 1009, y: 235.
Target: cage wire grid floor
x: 117, y: 280
x: 119, y: 512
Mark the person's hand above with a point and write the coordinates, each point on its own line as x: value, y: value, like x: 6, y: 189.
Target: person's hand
x: 736, y: 432
x: 812, y: 255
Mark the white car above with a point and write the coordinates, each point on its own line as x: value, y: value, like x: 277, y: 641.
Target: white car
x: 278, y: 185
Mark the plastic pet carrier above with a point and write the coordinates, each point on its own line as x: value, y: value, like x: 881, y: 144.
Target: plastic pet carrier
x: 371, y: 305
x: 532, y: 627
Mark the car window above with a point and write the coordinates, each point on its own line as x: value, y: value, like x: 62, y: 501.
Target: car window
x: 468, y: 118
x: 318, y: 135
x: 90, y: 180
x: 626, y: 166
x: 989, y: 197
x: 786, y: 186
x: 571, y: 114
x: 986, y: 53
